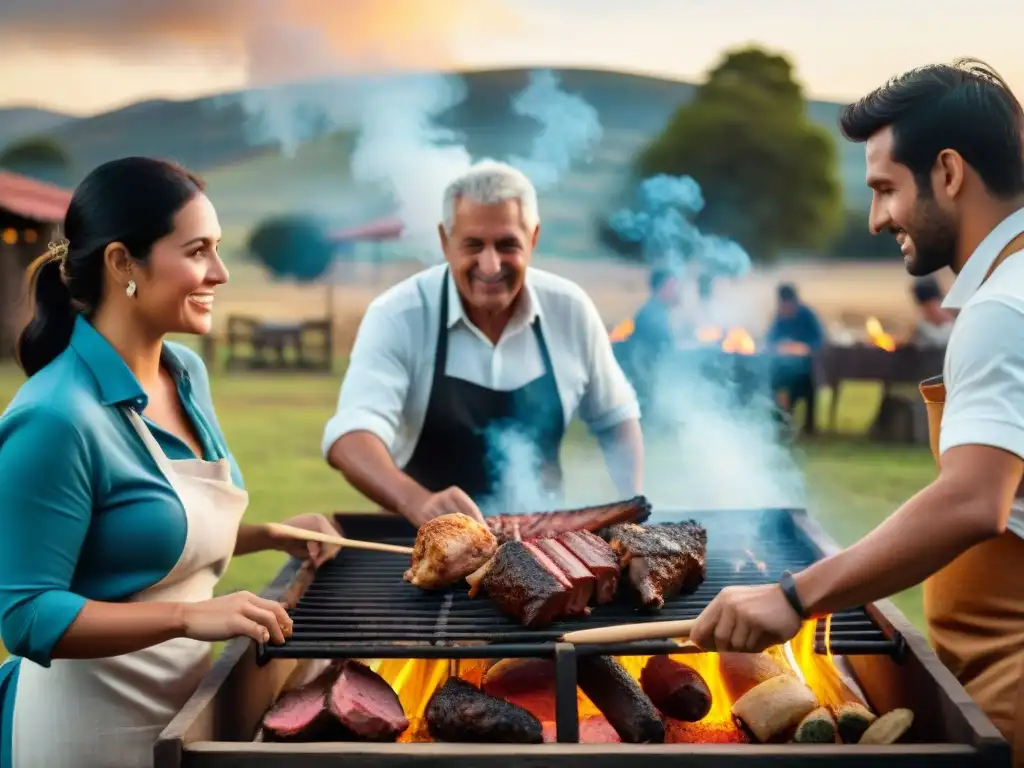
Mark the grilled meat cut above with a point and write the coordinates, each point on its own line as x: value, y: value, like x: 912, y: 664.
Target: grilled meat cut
x: 600, y: 559
x: 363, y: 702
x: 348, y: 701
x: 620, y: 699
x: 524, y: 583
x: 460, y: 712
x: 541, y: 580
x: 447, y: 549
x: 661, y: 560
x: 549, y: 524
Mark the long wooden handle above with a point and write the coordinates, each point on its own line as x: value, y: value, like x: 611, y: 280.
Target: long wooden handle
x: 288, y: 531
x: 627, y: 633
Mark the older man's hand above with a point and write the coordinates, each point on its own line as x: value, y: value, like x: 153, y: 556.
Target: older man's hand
x: 746, y: 620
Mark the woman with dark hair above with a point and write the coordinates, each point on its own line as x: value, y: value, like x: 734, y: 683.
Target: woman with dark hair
x: 120, y: 504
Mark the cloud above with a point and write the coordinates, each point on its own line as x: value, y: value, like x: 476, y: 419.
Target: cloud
x: 275, y: 40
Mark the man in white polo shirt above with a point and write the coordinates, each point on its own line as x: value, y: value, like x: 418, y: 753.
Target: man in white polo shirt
x: 946, y: 168
x: 479, y: 362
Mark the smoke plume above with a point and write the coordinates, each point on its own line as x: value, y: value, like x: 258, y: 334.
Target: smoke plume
x: 570, y: 129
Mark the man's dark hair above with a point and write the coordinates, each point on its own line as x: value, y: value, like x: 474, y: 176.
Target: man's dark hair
x: 965, y: 106
x: 787, y: 292
x: 926, y: 289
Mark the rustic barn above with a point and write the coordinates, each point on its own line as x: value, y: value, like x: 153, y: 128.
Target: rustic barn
x: 31, y: 213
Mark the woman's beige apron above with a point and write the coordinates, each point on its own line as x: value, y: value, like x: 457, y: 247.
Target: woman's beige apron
x: 107, y: 713
x: 974, y: 608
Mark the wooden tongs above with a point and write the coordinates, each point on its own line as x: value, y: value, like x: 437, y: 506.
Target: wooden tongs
x: 627, y: 633
x: 301, y: 534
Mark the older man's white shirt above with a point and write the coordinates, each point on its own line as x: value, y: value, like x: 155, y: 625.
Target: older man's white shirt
x: 387, y: 386
x: 984, y: 364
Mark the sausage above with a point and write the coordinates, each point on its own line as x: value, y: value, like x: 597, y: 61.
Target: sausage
x: 675, y: 688
x: 621, y: 700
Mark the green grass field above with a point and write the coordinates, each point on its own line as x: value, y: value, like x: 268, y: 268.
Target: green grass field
x: 274, y: 424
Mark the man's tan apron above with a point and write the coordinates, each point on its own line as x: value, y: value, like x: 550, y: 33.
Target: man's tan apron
x: 108, y: 713
x: 974, y: 608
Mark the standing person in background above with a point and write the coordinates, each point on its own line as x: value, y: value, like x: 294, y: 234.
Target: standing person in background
x: 652, y: 339
x: 934, y: 322
x: 945, y: 162
x: 120, y: 504
x: 452, y: 361
x: 795, y: 336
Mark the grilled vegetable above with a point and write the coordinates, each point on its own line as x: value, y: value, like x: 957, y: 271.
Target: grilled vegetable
x: 774, y: 706
x: 889, y: 728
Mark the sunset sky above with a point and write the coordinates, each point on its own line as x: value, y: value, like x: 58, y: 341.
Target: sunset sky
x: 86, y: 56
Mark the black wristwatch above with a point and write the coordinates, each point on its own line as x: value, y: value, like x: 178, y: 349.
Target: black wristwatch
x: 789, y: 590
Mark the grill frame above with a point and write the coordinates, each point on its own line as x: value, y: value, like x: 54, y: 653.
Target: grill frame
x: 216, y: 727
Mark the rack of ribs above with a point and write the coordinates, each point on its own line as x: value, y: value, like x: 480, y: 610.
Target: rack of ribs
x: 661, y: 561
x: 549, y: 524
x: 542, y: 580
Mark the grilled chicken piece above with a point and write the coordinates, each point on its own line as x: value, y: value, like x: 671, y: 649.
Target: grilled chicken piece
x: 550, y: 524
x: 460, y: 712
x: 447, y: 549
x: 524, y: 583
x: 661, y: 560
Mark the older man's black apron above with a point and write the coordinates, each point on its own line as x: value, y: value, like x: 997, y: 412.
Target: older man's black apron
x: 460, y: 442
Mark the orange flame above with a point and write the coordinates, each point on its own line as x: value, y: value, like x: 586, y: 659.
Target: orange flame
x: 622, y: 331
x: 415, y: 681
x: 738, y: 342
x: 878, y: 336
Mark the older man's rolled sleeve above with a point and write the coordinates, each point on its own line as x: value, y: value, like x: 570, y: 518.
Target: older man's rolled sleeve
x: 609, y: 398
x: 985, y: 379
x: 374, y: 389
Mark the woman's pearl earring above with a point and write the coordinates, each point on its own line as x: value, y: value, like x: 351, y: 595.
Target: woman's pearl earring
x: 130, y: 290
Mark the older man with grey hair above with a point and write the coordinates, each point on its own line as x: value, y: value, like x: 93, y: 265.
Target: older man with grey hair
x: 466, y: 362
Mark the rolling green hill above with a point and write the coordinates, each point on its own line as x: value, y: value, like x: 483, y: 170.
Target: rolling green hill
x: 249, y: 181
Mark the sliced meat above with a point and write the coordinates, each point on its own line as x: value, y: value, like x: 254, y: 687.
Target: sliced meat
x: 301, y: 714
x: 661, y: 561
x: 582, y: 580
x: 364, y: 703
x: 620, y: 699
x: 460, y: 712
x: 525, y: 586
x: 599, y: 558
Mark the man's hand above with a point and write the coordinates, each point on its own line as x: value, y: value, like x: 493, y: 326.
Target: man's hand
x: 746, y: 620
x: 449, y: 501
x: 316, y: 552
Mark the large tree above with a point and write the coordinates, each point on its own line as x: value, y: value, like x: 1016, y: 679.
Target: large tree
x: 39, y: 157
x: 768, y: 173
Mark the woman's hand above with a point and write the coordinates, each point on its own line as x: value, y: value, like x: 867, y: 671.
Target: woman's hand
x: 240, y: 614
x: 317, y: 552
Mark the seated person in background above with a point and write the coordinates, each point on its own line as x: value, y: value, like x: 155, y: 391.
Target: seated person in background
x: 934, y: 324
x: 794, y: 336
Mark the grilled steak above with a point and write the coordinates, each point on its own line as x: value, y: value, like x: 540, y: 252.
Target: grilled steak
x: 349, y: 701
x: 301, y: 714
x: 595, y: 553
x: 550, y: 524
x: 620, y: 699
x: 524, y: 583
x: 581, y: 579
x: 460, y: 712
x: 661, y: 560
x: 365, y: 704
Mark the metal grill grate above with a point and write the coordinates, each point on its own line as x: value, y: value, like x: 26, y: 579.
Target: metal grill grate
x: 359, y: 606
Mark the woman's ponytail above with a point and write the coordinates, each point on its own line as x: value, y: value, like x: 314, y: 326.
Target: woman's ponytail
x: 48, y: 333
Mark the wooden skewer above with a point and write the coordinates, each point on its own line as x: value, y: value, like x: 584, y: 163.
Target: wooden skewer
x: 288, y: 531
x: 627, y: 633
